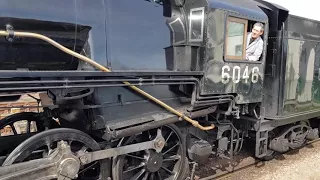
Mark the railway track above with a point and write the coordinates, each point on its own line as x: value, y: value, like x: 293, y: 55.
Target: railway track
x: 248, y: 162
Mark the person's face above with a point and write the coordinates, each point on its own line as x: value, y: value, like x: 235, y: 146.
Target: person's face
x: 256, y: 31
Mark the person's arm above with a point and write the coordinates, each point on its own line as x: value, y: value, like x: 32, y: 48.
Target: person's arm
x: 257, y: 54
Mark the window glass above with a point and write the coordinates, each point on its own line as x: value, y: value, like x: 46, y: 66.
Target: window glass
x: 196, y: 24
x: 178, y: 30
x: 236, y: 38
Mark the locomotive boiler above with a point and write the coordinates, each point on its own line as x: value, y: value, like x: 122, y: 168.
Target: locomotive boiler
x: 139, y: 89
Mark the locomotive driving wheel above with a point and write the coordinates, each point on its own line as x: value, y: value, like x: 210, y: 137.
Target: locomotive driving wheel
x: 170, y: 163
x: 12, y: 123
x: 28, y: 118
x: 45, y: 143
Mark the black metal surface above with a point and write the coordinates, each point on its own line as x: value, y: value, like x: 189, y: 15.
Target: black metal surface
x: 215, y: 58
x: 199, y: 151
x: 98, y: 82
x: 60, y: 21
x: 294, y: 88
x: 276, y: 15
x: 295, y: 117
x: 144, y: 127
x: 251, y: 9
x: 273, y: 78
x: 64, y: 74
x: 202, y: 112
x: 129, y: 24
x: 39, y: 88
x: 168, y: 53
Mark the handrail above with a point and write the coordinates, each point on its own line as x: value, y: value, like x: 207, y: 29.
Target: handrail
x: 102, y: 68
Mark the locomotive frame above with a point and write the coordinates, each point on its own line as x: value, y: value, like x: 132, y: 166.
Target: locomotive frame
x: 204, y: 103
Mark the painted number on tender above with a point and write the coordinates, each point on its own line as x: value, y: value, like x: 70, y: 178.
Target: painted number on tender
x: 236, y: 74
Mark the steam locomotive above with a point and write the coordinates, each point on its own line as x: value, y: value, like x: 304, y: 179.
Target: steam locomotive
x: 177, y: 87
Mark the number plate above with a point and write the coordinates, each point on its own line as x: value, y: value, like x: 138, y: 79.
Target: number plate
x: 236, y: 74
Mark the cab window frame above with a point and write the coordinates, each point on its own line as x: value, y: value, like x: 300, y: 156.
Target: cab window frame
x: 192, y: 21
x: 245, y: 34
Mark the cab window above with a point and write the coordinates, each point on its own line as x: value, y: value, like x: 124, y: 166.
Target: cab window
x: 236, y: 37
x: 196, y: 24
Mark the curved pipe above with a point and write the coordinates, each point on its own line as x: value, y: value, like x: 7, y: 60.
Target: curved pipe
x: 102, y: 68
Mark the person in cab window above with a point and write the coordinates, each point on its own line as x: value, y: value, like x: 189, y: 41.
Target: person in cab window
x: 255, y: 43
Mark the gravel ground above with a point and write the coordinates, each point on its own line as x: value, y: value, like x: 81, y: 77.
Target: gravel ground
x: 302, y: 164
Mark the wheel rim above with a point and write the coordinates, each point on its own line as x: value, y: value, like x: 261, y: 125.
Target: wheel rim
x: 43, y: 144
x: 9, y: 130
x: 149, y: 164
x: 29, y: 118
x: 25, y: 116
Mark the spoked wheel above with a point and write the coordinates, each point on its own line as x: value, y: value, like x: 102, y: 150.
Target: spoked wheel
x: 25, y: 117
x: 18, y: 127
x: 43, y: 144
x: 170, y: 163
x: 29, y: 119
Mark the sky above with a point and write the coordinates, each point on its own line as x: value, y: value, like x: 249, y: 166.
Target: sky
x: 304, y: 8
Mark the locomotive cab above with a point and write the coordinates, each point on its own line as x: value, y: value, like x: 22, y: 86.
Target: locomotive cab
x: 227, y: 69
x: 212, y: 36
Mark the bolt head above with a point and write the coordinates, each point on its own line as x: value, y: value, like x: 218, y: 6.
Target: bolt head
x: 83, y: 159
x: 62, y: 144
x: 159, y: 144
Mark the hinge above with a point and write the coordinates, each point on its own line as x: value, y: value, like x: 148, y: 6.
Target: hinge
x: 10, y: 30
x: 273, y: 71
x: 273, y: 66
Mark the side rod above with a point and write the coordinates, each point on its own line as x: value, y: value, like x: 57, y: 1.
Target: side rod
x: 49, y: 168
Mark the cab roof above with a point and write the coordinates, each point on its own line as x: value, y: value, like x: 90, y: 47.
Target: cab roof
x: 249, y: 8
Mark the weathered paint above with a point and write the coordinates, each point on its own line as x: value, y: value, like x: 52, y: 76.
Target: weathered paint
x: 301, y: 81
x: 298, y: 66
x: 247, y: 90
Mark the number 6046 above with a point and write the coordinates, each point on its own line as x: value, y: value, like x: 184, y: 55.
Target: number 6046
x: 237, y: 74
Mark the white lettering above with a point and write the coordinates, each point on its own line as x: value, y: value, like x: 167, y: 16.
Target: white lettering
x: 246, y: 74
x: 236, y: 79
x: 236, y: 74
x: 225, y: 76
x: 255, y: 75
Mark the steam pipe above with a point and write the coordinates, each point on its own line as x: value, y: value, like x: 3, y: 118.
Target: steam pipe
x: 189, y: 80
x: 102, y: 68
x: 89, y: 86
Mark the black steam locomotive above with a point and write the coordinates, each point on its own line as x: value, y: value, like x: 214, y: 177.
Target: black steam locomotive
x: 176, y: 85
